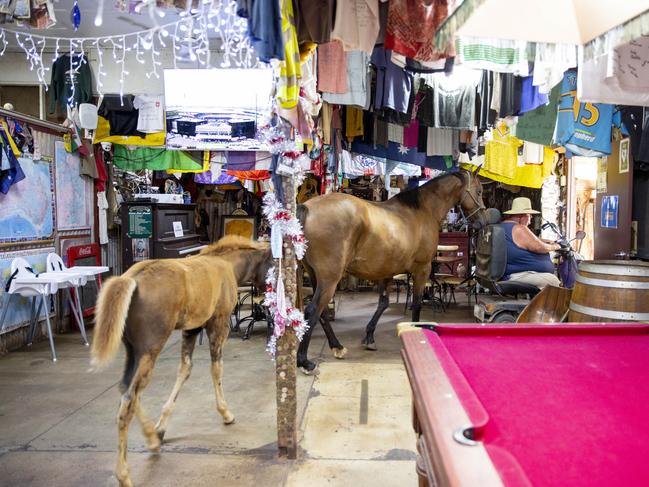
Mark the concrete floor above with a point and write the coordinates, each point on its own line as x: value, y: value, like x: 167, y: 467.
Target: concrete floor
x: 58, y: 428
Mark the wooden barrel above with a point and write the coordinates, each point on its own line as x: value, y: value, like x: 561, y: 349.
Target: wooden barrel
x: 548, y: 306
x: 610, y: 290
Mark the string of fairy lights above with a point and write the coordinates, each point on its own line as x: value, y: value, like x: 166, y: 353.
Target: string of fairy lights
x: 188, y: 38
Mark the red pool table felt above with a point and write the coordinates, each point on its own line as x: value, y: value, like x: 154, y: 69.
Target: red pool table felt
x: 554, y: 405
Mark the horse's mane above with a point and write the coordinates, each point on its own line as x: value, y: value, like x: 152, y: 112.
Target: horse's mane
x: 412, y: 197
x: 230, y: 243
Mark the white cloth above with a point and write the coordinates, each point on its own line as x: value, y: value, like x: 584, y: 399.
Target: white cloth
x: 533, y: 153
x: 405, y: 169
x: 357, y: 24
x: 593, y: 85
x: 439, y: 142
x: 498, y: 55
x: 357, y: 66
x: 151, y: 113
x: 102, y: 205
x: 357, y: 165
x: 395, y: 133
x: 550, y: 62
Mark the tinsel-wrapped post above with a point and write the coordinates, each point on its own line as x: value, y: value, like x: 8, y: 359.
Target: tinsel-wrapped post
x: 286, y: 357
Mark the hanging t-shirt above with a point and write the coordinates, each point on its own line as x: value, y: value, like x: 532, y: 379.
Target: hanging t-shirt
x: 511, y: 88
x: 531, y: 98
x: 151, y: 113
x: 501, y: 153
x: 393, y: 84
x: 538, y: 125
x: 584, y: 128
x: 454, y: 104
x: 356, y: 94
x: 357, y: 24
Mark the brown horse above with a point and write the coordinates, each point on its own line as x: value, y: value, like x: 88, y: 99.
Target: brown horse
x: 155, y: 297
x: 376, y: 241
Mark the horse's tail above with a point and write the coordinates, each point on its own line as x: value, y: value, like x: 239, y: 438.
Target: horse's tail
x: 110, y: 319
x: 302, y: 212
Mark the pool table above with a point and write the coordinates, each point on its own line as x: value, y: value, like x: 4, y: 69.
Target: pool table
x: 519, y: 405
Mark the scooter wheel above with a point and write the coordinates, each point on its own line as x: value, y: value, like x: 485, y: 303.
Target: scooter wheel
x: 504, y: 318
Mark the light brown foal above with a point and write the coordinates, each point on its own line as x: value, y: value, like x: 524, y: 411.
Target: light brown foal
x: 153, y: 298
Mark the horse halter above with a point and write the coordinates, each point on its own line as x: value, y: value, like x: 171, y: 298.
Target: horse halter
x: 479, y: 205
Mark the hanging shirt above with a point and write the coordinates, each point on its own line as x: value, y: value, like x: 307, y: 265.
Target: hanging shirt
x: 584, y: 128
x: 356, y: 94
x: 68, y: 75
x: 501, y: 153
x: 531, y: 98
x: 288, y: 88
x: 538, y: 125
x: 454, y: 104
x: 357, y: 24
x: 332, y: 68
x: 411, y: 28
x: 151, y: 113
x: 393, y: 84
x: 499, y: 55
x: 314, y: 20
x: 264, y: 28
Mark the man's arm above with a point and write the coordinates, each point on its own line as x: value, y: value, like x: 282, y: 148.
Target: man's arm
x: 524, y: 238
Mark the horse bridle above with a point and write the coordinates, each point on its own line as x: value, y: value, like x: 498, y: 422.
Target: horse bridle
x: 479, y: 205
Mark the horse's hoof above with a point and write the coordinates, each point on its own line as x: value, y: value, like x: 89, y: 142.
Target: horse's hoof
x: 370, y: 346
x: 228, y: 418
x: 339, y: 353
x: 310, y: 368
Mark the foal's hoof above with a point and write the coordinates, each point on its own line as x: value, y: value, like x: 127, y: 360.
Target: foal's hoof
x: 161, y: 435
x: 153, y: 444
x: 228, y: 418
x: 370, y: 346
x: 339, y: 353
x: 124, y: 480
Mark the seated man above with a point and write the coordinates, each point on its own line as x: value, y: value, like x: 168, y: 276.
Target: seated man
x: 528, y: 258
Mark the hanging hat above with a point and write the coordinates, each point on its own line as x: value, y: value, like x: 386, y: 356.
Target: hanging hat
x: 521, y: 206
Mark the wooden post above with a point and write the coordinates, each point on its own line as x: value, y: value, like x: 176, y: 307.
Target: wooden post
x: 286, y: 357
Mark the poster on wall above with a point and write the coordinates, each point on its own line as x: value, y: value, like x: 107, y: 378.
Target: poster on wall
x: 602, y: 171
x: 624, y: 156
x: 73, y: 192
x: 609, y: 211
x: 27, y: 210
x: 18, y: 313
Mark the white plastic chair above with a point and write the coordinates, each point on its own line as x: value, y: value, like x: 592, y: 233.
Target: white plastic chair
x: 21, y: 270
x: 76, y: 280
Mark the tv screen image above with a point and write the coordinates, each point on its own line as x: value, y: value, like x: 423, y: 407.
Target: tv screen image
x: 216, y: 109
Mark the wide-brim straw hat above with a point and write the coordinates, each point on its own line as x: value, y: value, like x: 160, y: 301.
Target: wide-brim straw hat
x: 521, y: 206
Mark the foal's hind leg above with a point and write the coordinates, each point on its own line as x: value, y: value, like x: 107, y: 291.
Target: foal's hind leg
x: 217, y: 331
x: 128, y: 407
x: 184, y: 371
x: 384, y: 303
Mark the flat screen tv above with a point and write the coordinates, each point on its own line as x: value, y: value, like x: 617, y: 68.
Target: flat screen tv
x: 216, y: 109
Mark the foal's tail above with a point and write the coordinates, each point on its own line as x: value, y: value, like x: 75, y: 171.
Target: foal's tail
x: 110, y: 318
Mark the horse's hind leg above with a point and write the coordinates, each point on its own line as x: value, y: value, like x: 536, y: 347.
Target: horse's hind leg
x: 128, y: 407
x: 217, y: 331
x: 384, y: 303
x: 184, y: 371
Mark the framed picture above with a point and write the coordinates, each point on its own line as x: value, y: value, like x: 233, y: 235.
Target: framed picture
x: 246, y: 226
x: 624, y: 155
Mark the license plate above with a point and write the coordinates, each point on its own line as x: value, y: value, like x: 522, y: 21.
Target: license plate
x: 478, y: 312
